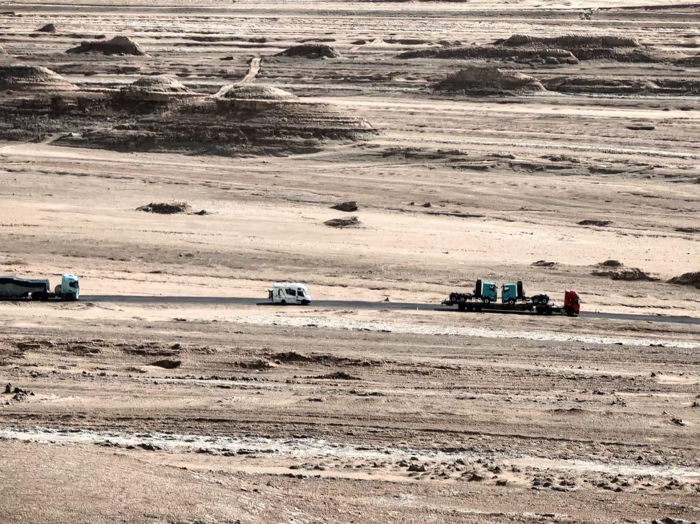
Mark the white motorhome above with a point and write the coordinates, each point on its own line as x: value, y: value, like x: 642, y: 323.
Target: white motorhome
x: 289, y: 293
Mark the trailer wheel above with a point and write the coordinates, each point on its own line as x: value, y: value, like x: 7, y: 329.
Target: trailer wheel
x: 545, y: 300
x: 470, y: 308
x: 461, y: 306
x: 535, y: 300
x: 548, y: 311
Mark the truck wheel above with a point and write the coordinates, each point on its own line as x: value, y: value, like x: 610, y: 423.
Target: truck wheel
x: 284, y: 302
x: 487, y: 301
x: 511, y: 302
x: 305, y: 302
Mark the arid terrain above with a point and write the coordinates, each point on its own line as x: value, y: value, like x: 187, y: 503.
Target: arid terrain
x: 554, y: 142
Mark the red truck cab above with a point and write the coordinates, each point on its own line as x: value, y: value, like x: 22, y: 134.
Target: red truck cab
x: 572, y: 306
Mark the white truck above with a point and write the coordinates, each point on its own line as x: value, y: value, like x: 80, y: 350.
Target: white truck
x: 289, y: 293
x: 13, y: 288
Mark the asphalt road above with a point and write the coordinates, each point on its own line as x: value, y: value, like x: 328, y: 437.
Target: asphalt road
x: 346, y: 304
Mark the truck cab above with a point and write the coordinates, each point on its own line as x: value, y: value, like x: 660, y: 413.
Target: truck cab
x: 69, y: 289
x: 510, y: 293
x: 289, y: 293
x: 572, y: 304
x: 489, y: 292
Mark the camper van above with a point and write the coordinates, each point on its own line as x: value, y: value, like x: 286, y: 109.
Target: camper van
x: 289, y: 293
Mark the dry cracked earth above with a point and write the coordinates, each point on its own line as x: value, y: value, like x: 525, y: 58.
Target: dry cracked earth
x: 553, y: 142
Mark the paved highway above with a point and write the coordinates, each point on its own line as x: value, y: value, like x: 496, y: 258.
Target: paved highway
x: 351, y: 304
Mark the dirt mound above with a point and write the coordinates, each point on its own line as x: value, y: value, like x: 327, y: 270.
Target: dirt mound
x: 619, y: 49
x: 292, y: 356
x: 629, y: 274
x: 687, y: 279
x: 48, y: 28
x: 624, y: 55
x: 538, y: 55
x: 239, y: 120
x: 623, y: 86
x: 163, y: 208
x: 571, y: 41
x: 119, y: 45
x: 343, y: 222
x: 154, y: 89
x: 338, y: 375
x: 167, y: 363
x: 311, y: 51
x: 486, y: 80
x: 611, y: 263
x: 253, y: 92
x: 348, y: 207
x: 257, y: 363
x: 597, y: 223
x: 322, y: 358
x: 544, y: 263
x: 33, y: 78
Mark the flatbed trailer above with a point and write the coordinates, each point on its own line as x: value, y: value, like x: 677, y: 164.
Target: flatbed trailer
x: 474, y: 304
x: 470, y: 302
x: 522, y: 307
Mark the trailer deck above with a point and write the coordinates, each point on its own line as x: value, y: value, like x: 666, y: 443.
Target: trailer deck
x: 523, y: 307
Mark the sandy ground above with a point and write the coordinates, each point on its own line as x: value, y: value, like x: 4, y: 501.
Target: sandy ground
x: 185, y: 413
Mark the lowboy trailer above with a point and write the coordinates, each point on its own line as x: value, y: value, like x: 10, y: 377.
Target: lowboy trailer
x: 485, y: 295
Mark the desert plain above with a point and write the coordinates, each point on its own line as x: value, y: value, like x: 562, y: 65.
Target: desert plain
x: 557, y: 143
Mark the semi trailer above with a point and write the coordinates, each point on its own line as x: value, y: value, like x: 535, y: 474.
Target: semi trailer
x: 13, y: 288
x: 513, y: 298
